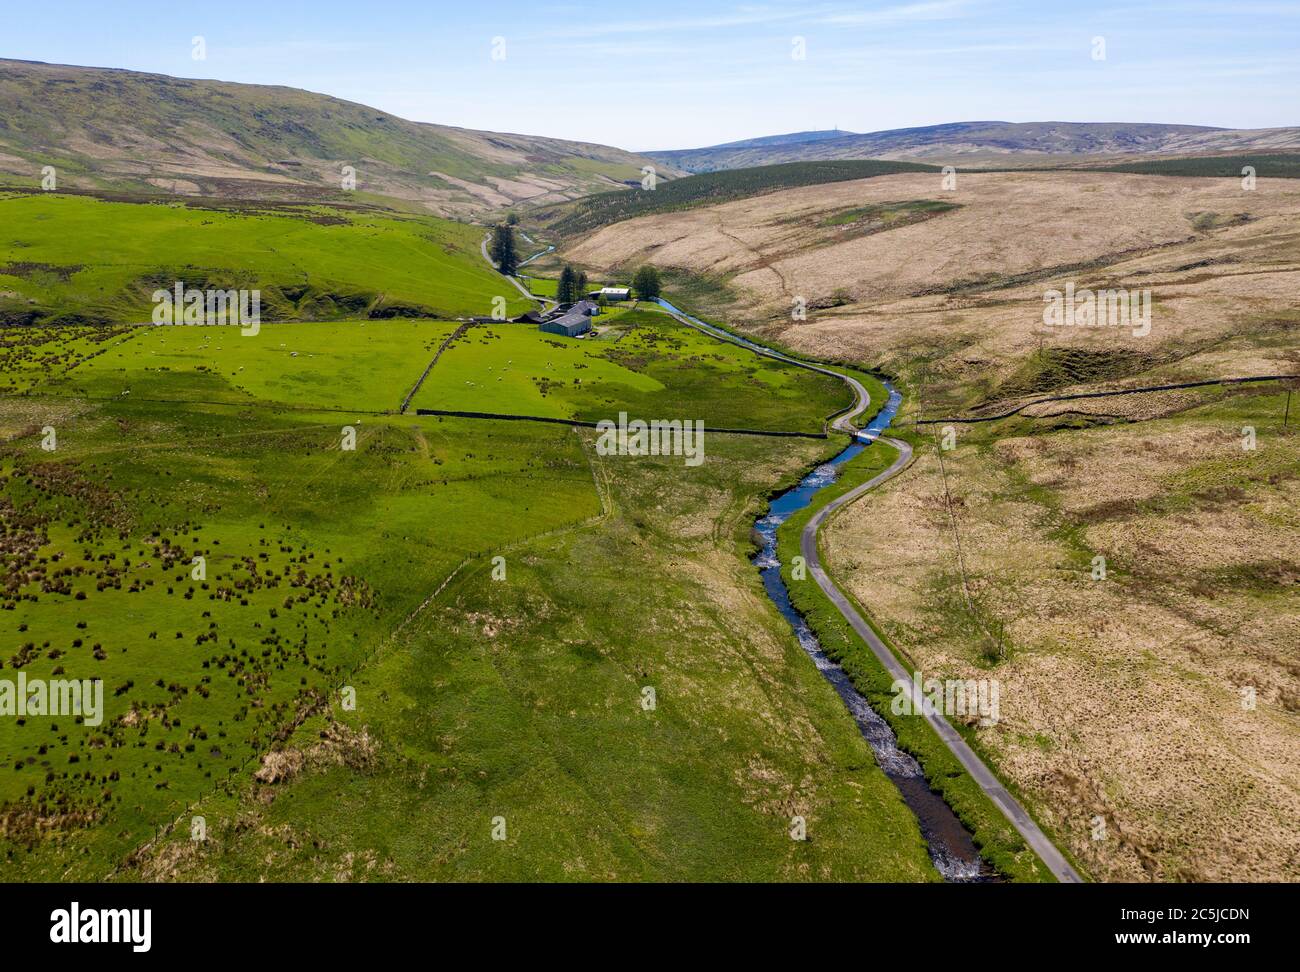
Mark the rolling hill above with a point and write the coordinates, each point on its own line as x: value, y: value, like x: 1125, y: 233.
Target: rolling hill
x: 793, y: 138
x: 105, y: 128
x: 70, y: 259
x: 985, y: 143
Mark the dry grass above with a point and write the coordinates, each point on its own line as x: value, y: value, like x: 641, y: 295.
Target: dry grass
x: 1121, y: 699
x: 1008, y: 223
x: 952, y: 292
x: 339, y: 745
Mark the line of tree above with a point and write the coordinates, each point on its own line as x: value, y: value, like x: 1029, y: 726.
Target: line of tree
x: 502, y: 249
x: 566, y: 289
x: 572, y: 285
x: 647, y: 284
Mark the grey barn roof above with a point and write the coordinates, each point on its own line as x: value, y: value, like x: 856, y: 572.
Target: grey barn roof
x: 570, y: 325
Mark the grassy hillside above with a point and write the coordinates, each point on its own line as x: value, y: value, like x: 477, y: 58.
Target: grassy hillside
x: 519, y: 701
x: 1200, y: 540
x: 477, y: 697
x: 313, y: 556
x: 104, y: 128
x: 75, y: 259
x: 367, y: 366
x: 759, y: 254
x: 691, y: 192
x: 644, y: 362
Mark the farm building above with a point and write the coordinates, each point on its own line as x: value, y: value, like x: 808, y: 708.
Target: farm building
x: 574, y: 321
x: 570, y: 325
x: 611, y: 293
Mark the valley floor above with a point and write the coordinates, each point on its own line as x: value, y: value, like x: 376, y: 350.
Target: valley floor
x: 370, y: 662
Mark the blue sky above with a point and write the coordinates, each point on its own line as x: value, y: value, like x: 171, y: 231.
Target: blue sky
x: 684, y: 73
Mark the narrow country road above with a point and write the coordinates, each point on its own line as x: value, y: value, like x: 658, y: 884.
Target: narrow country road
x: 546, y: 302
x: 1010, y: 807
x: 842, y: 423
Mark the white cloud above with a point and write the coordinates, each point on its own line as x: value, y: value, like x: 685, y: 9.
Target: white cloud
x: 907, y: 13
x: 743, y: 17
x: 292, y: 49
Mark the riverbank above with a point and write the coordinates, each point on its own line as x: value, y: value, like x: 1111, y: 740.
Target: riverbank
x: 990, y: 809
x: 1000, y: 844
x: 951, y: 846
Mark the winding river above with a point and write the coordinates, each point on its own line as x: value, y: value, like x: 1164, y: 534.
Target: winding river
x: 950, y: 844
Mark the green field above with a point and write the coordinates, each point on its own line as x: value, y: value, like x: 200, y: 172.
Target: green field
x: 542, y: 286
x: 67, y: 259
x: 639, y: 361
x: 656, y: 368
x: 313, y: 555
x: 362, y: 365
x: 36, y: 354
x: 520, y: 700
x: 371, y: 569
